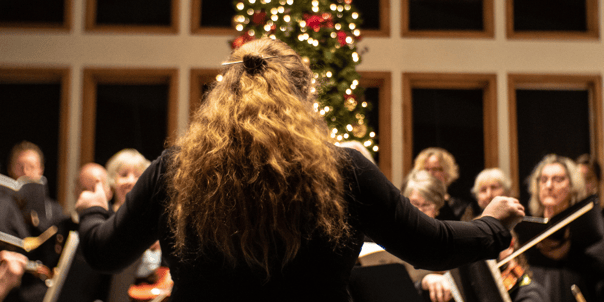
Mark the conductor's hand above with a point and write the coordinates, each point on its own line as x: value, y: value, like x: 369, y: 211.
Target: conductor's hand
x: 438, y: 286
x: 508, y: 210
x: 96, y: 198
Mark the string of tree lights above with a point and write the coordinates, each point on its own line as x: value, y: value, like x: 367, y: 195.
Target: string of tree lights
x: 325, y: 34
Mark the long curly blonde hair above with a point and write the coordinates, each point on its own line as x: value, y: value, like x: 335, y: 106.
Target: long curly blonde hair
x: 257, y: 169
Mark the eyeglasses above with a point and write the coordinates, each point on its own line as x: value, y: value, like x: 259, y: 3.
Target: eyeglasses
x: 424, y: 206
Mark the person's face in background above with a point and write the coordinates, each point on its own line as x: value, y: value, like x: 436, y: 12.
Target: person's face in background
x: 554, y: 187
x: 90, y: 174
x: 591, y: 181
x: 488, y: 190
x: 126, y: 177
x: 434, y: 167
x: 27, y: 163
x: 427, y: 207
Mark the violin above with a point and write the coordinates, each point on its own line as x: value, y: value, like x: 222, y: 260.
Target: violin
x: 156, y: 291
x: 510, y: 276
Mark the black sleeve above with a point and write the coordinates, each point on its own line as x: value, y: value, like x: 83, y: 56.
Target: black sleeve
x: 111, y: 242
x: 388, y: 218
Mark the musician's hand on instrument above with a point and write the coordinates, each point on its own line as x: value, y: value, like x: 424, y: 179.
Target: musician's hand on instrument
x: 12, y: 267
x: 438, y: 286
x: 508, y: 210
x: 89, y: 199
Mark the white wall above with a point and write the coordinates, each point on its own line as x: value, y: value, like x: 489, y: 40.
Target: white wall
x: 78, y: 50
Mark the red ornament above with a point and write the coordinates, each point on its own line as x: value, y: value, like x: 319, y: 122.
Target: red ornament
x: 342, y: 38
x: 314, y: 22
x: 259, y: 18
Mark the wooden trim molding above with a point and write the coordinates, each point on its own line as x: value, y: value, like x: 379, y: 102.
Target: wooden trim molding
x: 382, y: 80
x: 486, y: 82
x: 592, y: 18
x: 592, y: 83
x: 49, y: 75
x: 487, y: 32
x: 94, y: 76
x: 92, y: 26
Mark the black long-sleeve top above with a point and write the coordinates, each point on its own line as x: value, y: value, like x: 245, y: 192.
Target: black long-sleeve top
x: 318, y: 273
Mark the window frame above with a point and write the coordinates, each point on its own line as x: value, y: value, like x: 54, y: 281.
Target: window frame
x: 94, y: 76
x: 383, y: 81
x: 592, y: 19
x: 19, y: 75
x: 593, y: 83
x: 486, y: 82
x: 90, y: 24
x: 487, y: 17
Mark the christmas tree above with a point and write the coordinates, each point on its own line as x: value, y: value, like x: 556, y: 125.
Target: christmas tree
x: 324, y: 33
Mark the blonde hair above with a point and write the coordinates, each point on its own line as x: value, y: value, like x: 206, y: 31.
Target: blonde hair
x: 577, y: 184
x: 495, y: 174
x: 444, y: 157
x: 257, y: 168
x: 427, y: 186
x: 127, y: 156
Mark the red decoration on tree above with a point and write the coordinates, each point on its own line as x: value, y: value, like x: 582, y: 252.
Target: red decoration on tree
x: 259, y: 18
x: 315, y: 22
x: 342, y: 38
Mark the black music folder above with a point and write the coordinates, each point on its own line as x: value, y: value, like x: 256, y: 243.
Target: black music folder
x: 586, y: 229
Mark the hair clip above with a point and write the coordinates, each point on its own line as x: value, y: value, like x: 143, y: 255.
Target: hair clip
x: 237, y: 62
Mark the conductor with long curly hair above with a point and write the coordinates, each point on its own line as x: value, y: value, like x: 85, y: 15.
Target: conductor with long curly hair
x: 256, y: 203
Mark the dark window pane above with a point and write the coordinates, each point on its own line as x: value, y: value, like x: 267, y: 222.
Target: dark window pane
x: 216, y: 13
x: 32, y: 112
x: 32, y: 11
x: 550, y: 15
x: 446, y: 15
x: 372, y: 96
x: 370, y: 13
x: 550, y: 121
x: 451, y: 119
x: 134, y: 12
x: 130, y: 116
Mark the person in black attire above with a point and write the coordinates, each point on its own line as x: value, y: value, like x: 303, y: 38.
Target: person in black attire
x: 256, y: 203
x: 574, y: 254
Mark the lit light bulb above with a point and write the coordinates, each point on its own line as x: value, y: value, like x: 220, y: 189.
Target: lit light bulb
x: 219, y: 78
x: 240, y: 6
